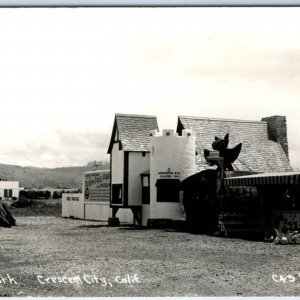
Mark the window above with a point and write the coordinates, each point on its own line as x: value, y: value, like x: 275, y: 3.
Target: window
x: 167, y: 190
x: 7, y: 193
x: 145, y: 180
x: 117, y: 194
x: 145, y: 189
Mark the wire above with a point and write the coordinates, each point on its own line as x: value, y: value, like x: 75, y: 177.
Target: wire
x: 245, y: 166
x: 236, y: 167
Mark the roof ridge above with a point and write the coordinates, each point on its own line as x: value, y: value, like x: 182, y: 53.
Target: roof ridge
x: 222, y: 119
x: 135, y: 116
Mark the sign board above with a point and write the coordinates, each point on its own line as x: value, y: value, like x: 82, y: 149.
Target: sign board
x: 169, y: 174
x: 73, y: 198
x: 97, y: 186
x: 214, y: 154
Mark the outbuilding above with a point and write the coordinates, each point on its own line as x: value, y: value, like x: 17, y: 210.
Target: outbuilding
x: 9, y: 189
x: 129, y: 150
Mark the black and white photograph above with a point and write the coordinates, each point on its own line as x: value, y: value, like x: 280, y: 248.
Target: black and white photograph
x: 150, y: 152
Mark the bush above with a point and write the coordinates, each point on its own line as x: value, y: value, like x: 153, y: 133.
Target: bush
x: 35, y: 194
x: 22, y: 202
x: 37, y: 208
x: 57, y: 195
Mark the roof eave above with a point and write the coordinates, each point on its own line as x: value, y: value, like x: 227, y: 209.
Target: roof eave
x: 114, y: 130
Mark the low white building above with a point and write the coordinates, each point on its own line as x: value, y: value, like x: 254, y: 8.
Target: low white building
x: 94, y: 202
x: 9, y: 189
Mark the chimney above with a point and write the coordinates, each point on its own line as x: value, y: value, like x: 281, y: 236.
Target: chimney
x: 277, y: 131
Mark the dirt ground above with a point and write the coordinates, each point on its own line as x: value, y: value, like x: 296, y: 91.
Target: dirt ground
x: 52, y: 256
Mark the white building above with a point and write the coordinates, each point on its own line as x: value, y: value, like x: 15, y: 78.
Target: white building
x: 9, y: 189
x: 129, y: 151
x: 147, y: 167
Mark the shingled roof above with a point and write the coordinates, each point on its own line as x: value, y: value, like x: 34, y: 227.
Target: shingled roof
x: 258, y: 153
x: 133, y: 132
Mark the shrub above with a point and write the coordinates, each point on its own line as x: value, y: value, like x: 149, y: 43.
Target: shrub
x: 22, y: 202
x: 56, y: 195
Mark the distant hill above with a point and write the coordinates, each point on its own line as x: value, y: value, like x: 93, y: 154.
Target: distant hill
x: 66, y: 177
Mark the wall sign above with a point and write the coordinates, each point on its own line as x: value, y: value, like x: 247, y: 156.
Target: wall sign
x: 97, y: 186
x: 169, y: 174
x: 72, y: 198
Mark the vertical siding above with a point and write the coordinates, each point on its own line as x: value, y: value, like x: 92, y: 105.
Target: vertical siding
x: 97, y: 211
x: 117, y: 164
x: 72, y: 208
x: 137, y: 165
x: 102, y: 211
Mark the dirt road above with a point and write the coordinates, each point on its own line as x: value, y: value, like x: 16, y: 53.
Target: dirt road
x: 51, y: 256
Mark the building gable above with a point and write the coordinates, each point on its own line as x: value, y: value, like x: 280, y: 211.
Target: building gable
x: 133, y: 132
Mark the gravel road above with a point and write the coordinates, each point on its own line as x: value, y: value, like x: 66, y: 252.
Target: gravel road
x: 52, y: 256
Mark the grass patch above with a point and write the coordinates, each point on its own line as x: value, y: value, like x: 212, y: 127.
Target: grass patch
x: 36, y: 207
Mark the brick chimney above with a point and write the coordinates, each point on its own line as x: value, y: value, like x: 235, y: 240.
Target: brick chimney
x: 277, y: 131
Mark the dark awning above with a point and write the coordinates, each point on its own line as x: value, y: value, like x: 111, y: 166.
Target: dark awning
x: 170, y: 183
x: 264, y: 178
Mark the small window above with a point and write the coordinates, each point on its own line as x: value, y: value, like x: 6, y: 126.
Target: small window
x: 117, y: 194
x: 167, y: 190
x: 143, y: 154
x: 10, y: 193
x: 5, y: 193
x: 145, y: 181
x: 145, y: 189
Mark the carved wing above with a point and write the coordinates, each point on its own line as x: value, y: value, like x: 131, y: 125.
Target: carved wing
x: 230, y: 155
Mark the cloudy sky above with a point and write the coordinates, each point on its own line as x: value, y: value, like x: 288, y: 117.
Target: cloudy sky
x: 64, y: 73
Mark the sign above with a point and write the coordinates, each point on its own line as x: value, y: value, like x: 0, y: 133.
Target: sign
x: 72, y: 198
x: 97, y: 186
x: 169, y: 174
x: 214, y: 154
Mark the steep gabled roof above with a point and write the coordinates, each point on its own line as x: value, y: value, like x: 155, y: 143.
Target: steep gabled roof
x: 133, y: 131
x: 258, y: 152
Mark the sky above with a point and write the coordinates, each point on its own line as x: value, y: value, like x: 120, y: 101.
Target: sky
x: 65, y: 72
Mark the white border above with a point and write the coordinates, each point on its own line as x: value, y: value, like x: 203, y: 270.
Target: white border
x: 146, y: 3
